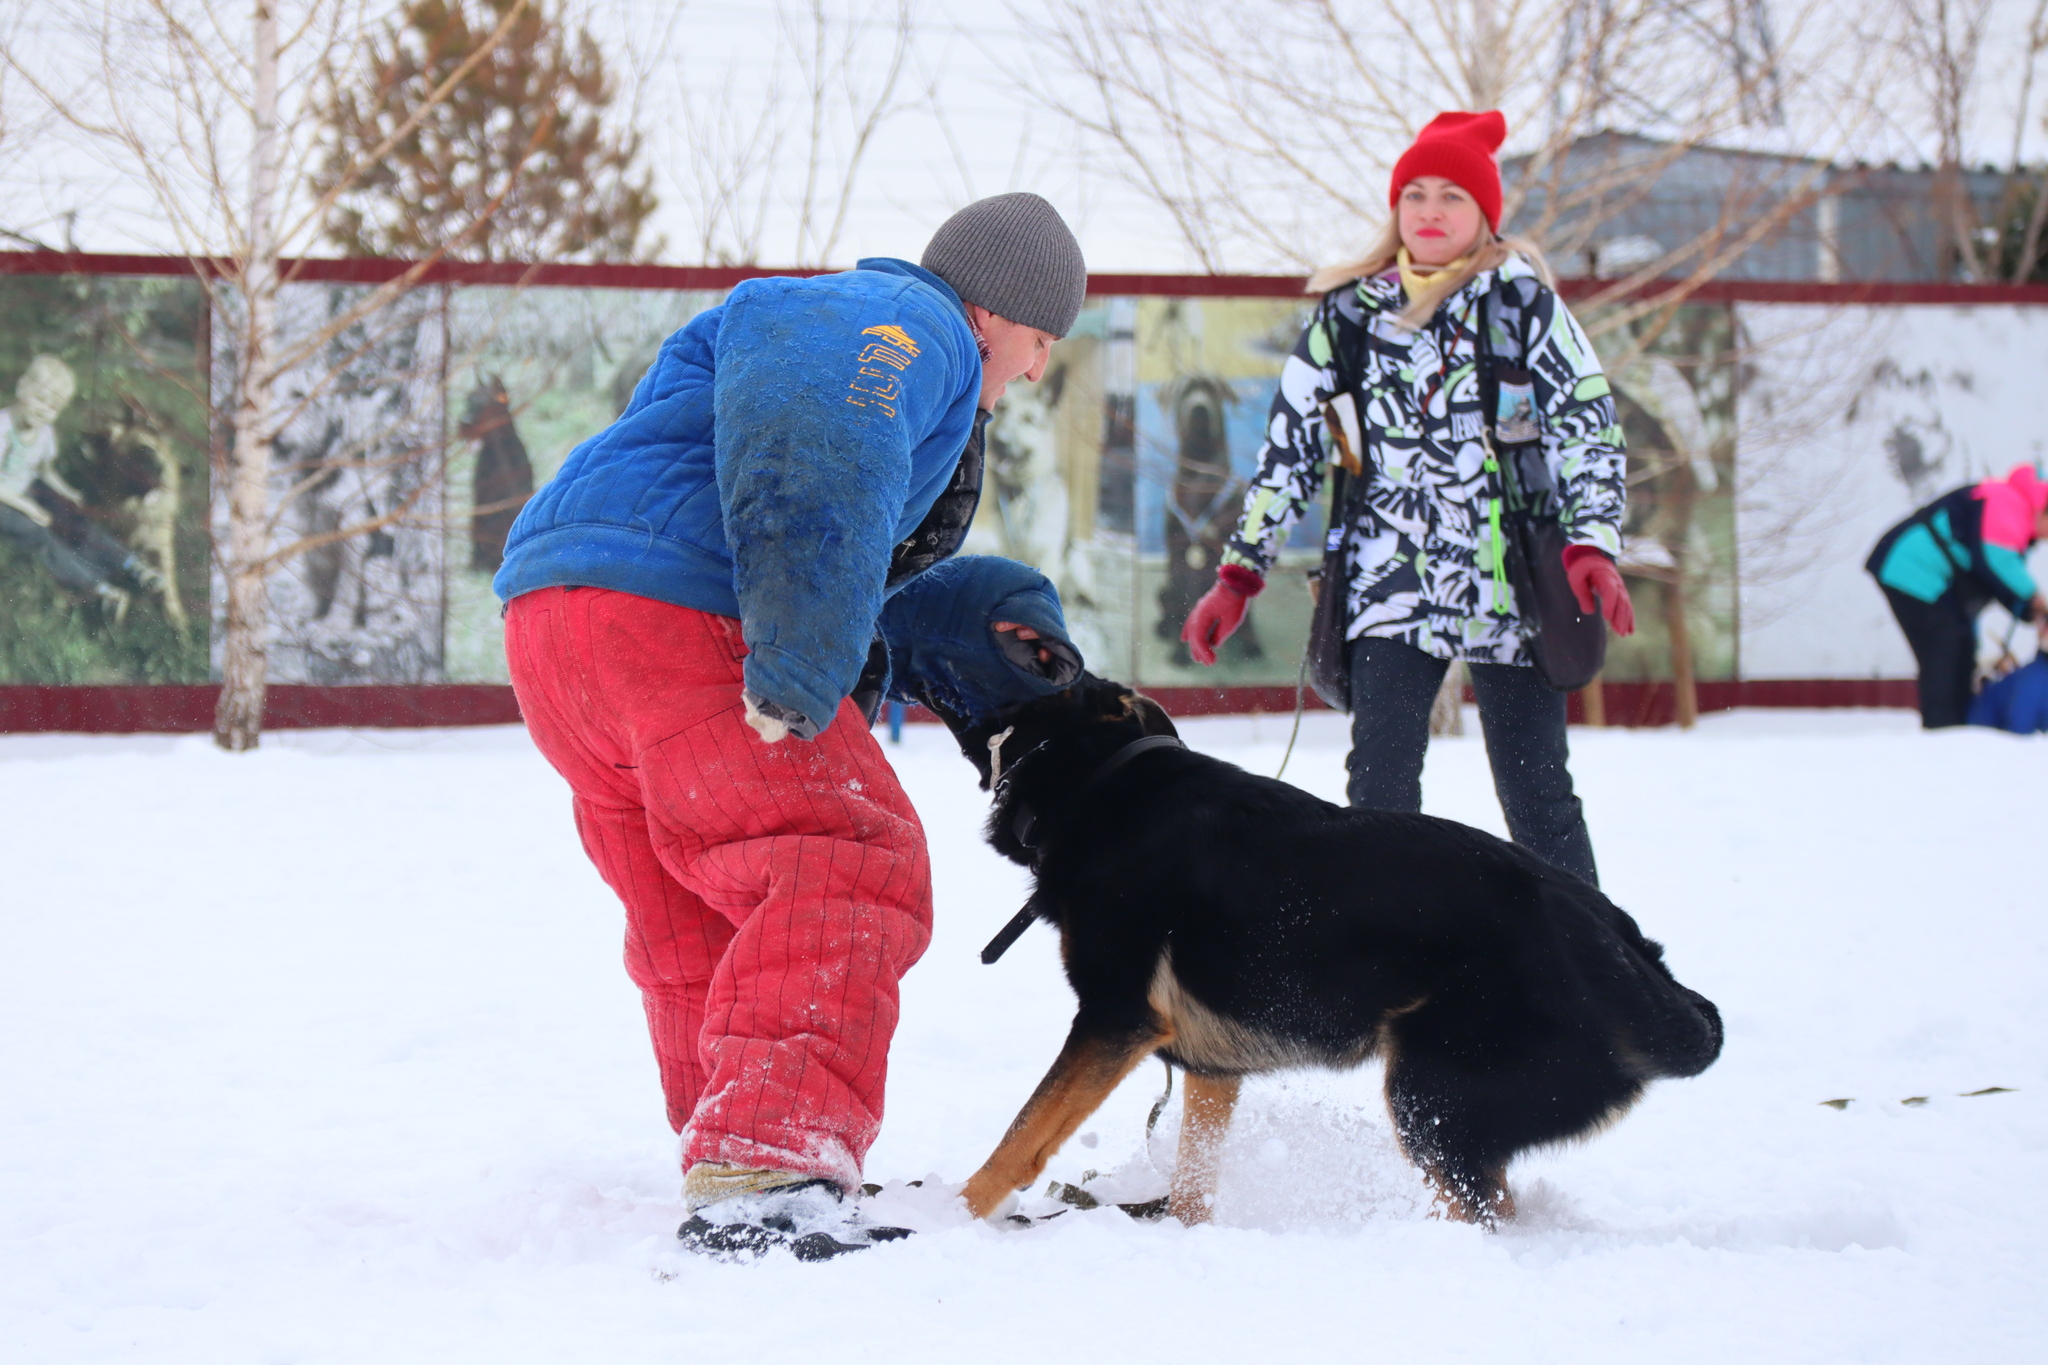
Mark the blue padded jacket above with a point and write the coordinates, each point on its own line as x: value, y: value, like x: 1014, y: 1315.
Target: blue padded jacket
x: 775, y: 454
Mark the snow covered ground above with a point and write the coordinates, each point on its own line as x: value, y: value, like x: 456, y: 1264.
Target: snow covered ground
x: 325, y: 1054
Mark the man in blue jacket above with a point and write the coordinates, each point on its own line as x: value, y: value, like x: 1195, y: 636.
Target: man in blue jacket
x: 698, y: 606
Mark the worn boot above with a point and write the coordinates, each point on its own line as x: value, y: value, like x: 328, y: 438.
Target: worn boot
x: 744, y: 1214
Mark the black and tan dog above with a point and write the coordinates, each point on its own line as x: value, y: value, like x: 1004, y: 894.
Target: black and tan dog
x: 1234, y: 924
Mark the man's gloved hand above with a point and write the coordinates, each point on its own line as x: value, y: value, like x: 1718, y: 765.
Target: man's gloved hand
x: 1591, y: 571
x: 1054, y: 660
x: 1023, y: 634
x: 976, y: 634
x: 1221, y: 611
x: 774, y: 722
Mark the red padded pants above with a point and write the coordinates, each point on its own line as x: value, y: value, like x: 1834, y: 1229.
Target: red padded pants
x: 775, y: 893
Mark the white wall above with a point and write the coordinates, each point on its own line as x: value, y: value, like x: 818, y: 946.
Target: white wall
x: 1837, y: 401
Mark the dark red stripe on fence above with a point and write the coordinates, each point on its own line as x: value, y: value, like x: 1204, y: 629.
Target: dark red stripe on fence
x: 1627, y: 703
x: 372, y: 271
x: 1638, y: 704
x: 363, y: 270
x: 188, y: 709
x: 134, y: 710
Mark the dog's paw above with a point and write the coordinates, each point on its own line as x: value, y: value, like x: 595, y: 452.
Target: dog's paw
x: 1009, y: 1213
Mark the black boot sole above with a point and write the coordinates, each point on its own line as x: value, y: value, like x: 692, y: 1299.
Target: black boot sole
x: 735, y: 1242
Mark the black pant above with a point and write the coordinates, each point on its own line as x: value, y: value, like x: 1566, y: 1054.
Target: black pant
x: 1392, y: 687
x: 1943, y: 635
x: 80, y: 567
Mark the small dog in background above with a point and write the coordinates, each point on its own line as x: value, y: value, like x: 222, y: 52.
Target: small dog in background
x: 1236, y: 925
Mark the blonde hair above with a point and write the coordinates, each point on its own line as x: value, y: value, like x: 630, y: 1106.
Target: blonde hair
x: 1488, y: 253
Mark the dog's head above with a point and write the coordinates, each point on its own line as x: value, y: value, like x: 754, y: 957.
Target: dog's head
x: 1092, y: 716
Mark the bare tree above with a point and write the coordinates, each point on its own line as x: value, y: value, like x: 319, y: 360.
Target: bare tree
x: 1266, y: 132
x: 19, y: 131
x: 844, y: 107
x: 1944, y: 41
x: 12, y: 26
x: 2025, y: 202
x: 1944, y: 44
x: 791, y: 147
x: 209, y: 106
x: 726, y: 171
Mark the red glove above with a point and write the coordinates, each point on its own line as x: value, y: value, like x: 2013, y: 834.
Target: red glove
x: 1590, y: 572
x: 1220, y: 612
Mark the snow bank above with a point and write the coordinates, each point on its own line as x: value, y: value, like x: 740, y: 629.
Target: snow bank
x: 325, y: 1054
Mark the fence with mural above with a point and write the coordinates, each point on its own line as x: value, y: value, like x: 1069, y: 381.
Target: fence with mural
x: 1773, y: 432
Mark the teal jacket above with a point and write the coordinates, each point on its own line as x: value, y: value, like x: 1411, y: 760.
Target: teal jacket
x: 1943, y: 549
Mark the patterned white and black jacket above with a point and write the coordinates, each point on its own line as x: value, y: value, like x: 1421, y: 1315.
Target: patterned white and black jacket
x: 1421, y: 554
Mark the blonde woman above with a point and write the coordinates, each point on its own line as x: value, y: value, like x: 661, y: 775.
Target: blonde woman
x: 1399, y: 332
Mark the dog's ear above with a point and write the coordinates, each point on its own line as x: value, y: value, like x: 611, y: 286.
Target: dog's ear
x: 1151, y: 715
x: 1091, y: 698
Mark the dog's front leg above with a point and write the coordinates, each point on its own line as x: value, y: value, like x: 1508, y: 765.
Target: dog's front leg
x: 1087, y: 1069
x: 1205, y: 1119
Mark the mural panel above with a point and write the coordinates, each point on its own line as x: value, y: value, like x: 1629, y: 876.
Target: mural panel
x: 357, y: 482
x: 532, y: 373
x: 1053, y: 476
x: 1675, y: 394
x: 414, y: 438
x: 1207, y: 370
x: 103, y: 480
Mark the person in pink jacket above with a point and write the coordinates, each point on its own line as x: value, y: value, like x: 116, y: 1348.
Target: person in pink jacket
x: 1944, y: 564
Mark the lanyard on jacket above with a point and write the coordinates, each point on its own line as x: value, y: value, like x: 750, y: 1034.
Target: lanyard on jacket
x: 1489, y: 413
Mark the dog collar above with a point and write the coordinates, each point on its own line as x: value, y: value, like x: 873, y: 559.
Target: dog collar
x: 1025, y: 823
x: 1131, y: 751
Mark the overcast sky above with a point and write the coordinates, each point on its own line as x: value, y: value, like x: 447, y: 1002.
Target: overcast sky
x: 967, y: 129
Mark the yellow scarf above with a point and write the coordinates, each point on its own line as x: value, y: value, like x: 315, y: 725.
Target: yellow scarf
x: 1416, y: 278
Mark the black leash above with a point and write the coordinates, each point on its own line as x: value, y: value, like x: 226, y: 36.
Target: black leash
x: 1009, y: 934
x: 1026, y: 822
x: 1159, y: 1105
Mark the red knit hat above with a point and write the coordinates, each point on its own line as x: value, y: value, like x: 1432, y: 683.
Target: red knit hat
x: 1459, y: 147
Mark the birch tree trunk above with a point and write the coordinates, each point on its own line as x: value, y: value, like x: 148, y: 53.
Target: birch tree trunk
x: 168, y: 102
x: 245, y: 660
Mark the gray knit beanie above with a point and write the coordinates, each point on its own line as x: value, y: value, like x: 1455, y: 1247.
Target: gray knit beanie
x: 1013, y: 255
